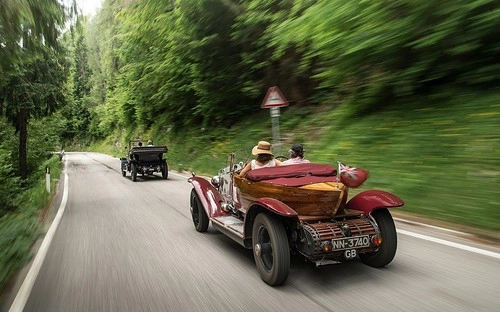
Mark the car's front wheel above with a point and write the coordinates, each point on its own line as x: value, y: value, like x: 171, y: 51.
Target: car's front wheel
x: 198, y: 213
x: 387, y: 250
x: 270, y: 249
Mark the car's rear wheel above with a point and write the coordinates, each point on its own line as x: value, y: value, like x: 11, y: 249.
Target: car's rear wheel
x: 270, y: 249
x: 198, y: 213
x: 134, y: 172
x: 387, y: 250
x: 164, y: 171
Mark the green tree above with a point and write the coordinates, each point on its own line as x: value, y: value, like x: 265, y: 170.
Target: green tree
x: 33, y: 83
x: 80, y: 105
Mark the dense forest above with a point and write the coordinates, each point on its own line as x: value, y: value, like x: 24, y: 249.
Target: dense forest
x: 68, y: 80
x: 207, y: 63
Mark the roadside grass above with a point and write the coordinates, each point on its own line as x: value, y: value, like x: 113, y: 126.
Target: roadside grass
x: 444, y: 161
x: 19, y: 229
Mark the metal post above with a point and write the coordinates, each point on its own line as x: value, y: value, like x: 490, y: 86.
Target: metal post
x: 275, y: 117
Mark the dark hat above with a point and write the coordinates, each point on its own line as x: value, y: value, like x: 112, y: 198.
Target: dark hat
x: 297, y: 148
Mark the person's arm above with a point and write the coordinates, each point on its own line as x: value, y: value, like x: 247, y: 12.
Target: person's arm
x: 247, y: 168
x: 278, y: 162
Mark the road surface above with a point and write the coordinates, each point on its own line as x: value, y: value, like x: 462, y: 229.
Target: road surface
x: 131, y: 246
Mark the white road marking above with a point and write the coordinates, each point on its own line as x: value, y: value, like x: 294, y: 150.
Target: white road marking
x: 433, y: 227
x: 25, y: 289
x: 451, y: 244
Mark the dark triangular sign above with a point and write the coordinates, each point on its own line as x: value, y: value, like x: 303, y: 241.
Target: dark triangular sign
x: 274, y: 98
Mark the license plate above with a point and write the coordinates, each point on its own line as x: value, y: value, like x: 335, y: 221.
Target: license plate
x: 351, y: 242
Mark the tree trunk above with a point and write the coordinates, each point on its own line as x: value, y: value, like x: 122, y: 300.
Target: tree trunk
x: 22, y: 123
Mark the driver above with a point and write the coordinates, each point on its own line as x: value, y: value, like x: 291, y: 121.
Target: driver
x: 264, y: 159
x: 296, y: 153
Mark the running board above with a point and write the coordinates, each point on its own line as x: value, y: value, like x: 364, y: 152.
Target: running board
x: 230, y: 226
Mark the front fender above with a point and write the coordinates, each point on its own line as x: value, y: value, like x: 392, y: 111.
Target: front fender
x: 368, y: 201
x: 209, y: 196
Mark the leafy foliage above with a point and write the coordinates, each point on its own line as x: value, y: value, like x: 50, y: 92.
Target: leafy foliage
x: 382, y: 50
x: 27, y: 25
x: 35, y: 70
x: 210, y: 62
x: 9, y: 183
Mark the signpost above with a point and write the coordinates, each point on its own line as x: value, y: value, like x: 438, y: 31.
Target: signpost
x: 273, y: 100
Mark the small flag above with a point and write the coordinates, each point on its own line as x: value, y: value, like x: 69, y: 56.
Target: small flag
x: 352, y: 176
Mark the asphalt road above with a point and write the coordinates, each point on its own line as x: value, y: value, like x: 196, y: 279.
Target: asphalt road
x: 125, y: 246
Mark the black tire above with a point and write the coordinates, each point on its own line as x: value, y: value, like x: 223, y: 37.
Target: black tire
x: 270, y: 249
x: 387, y: 250
x: 124, y: 173
x: 134, y: 172
x: 198, y: 213
x: 164, y: 171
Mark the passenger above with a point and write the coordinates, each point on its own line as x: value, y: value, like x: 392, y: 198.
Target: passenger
x: 150, y: 142
x: 265, y: 158
x: 296, y: 153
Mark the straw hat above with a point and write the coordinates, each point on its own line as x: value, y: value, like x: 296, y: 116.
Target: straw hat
x: 262, y: 147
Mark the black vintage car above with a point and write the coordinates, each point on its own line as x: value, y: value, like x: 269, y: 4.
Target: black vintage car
x: 144, y: 160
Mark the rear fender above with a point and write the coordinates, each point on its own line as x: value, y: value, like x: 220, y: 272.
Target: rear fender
x: 368, y: 201
x: 270, y: 205
x: 209, y: 196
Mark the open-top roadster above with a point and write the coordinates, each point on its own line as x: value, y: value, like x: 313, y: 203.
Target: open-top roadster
x: 144, y: 160
x: 304, y: 209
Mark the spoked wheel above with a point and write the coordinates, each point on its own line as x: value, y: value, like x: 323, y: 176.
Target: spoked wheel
x: 134, y: 172
x: 270, y: 249
x: 164, y: 171
x: 198, y: 213
x: 387, y: 250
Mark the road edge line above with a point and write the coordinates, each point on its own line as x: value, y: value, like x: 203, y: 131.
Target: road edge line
x: 451, y: 244
x: 432, y: 226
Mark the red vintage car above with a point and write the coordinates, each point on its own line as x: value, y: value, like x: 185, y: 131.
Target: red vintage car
x: 295, y: 210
